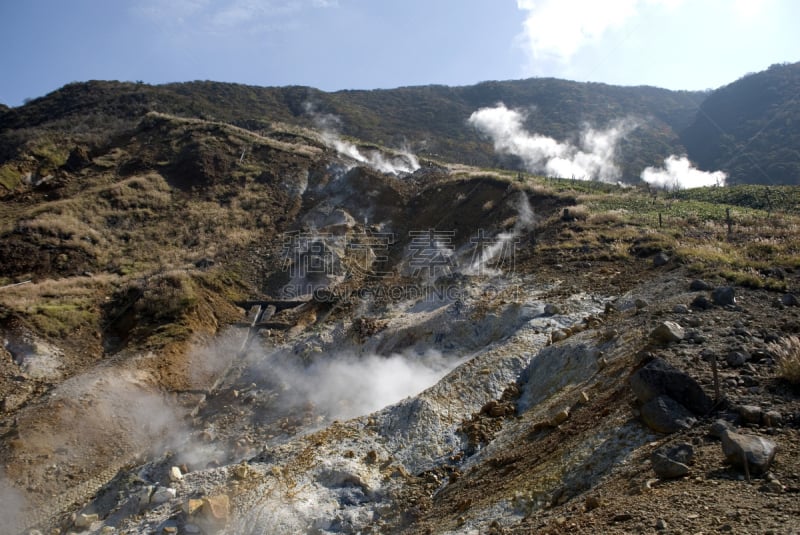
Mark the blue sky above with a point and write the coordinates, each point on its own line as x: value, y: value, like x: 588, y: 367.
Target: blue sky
x: 365, y: 44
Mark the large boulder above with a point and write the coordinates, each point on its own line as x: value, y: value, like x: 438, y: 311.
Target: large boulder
x: 659, y: 378
x: 758, y: 451
x: 698, y: 285
x: 724, y: 296
x: 701, y: 302
x: 671, y: 462
x: 667, y: 333
x: 737, y: 358
x: 663, y: 414
x: 790, y: 300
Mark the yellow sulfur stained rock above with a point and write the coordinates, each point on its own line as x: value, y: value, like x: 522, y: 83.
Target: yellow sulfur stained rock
x: 192, y: 506
x: 217, y: 509
x: 559, y: 417
x: 241, y: 471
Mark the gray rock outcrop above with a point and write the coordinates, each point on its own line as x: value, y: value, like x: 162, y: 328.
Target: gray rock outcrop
x: 756, y: 451
x: 660, y: 378
x: 665, y: 415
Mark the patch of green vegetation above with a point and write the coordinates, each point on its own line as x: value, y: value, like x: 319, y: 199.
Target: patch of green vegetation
x: 166, y: 297
x: 692, y: 226
x: 51, y: 156
x: 9, y: 177
x: 168, y: 333
x: 755, y: 197
x: 752, y: 279
x: 60, y: 319
x: 708, y: 254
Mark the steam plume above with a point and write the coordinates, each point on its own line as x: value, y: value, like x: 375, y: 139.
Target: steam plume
x: 346, y: 385
x: 13, y: 506
x: 505, y: 240
x: 401, y: 163
x: 678, y: 173
x: 593, y: 159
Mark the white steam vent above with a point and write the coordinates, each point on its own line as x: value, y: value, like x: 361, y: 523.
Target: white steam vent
x: 678, y: 173
x: 400, y: 162
x: 592, y: 158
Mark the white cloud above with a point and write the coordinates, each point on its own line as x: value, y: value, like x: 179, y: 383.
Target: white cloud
x: 169, y: 12
x: 678, y: 173
x: 204, y: 16
x: 748, y: 9
x: 592, y: 158
x: 558, y: 29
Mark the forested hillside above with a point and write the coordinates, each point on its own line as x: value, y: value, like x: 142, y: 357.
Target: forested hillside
x: 429, y: 120
x: 751, y: 128
x: 748, y: 129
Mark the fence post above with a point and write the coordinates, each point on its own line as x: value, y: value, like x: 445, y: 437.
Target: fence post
x: 728, y: 220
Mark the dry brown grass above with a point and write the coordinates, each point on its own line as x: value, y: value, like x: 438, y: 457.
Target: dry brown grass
x: 59, y: 307
x: 787, y: 353
x: 241, y: 134
x: 610, y: 218
x: 579, y: 212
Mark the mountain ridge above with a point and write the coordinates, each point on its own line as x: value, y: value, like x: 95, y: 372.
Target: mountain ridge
x: 740, y: 128
x: 430, y: 119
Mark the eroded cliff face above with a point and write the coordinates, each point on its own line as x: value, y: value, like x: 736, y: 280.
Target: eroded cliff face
x: 477, y: 376
x: 530, y: 422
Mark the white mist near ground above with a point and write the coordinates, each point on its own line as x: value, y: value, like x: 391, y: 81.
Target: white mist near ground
x: 119, y: 407
x: 678, y: 173
x: 209, y: 359
x: 504, y: 242
x: 592, y: 159
x: 400, y: 163
x: 93, y: 420
x: 13, y: 506
x: 345, y: 385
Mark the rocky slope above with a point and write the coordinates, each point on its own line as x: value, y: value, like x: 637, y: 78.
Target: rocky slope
x: 211, y: 330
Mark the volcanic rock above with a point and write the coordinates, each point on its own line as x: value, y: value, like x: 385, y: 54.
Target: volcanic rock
x: 667, y: 333
x: 736, y: 358
x: 758, y: 451
x: 750, y: 414
x: 772, y: 419
x: 790, y: 300
x: 162, y: 495
x: 665, y: 415
x: 660, y: 259
x: 724, y: 296
x: 698, y: 285
x: 673, y: 461
x: 701, y: 302
x: 660, y: 378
